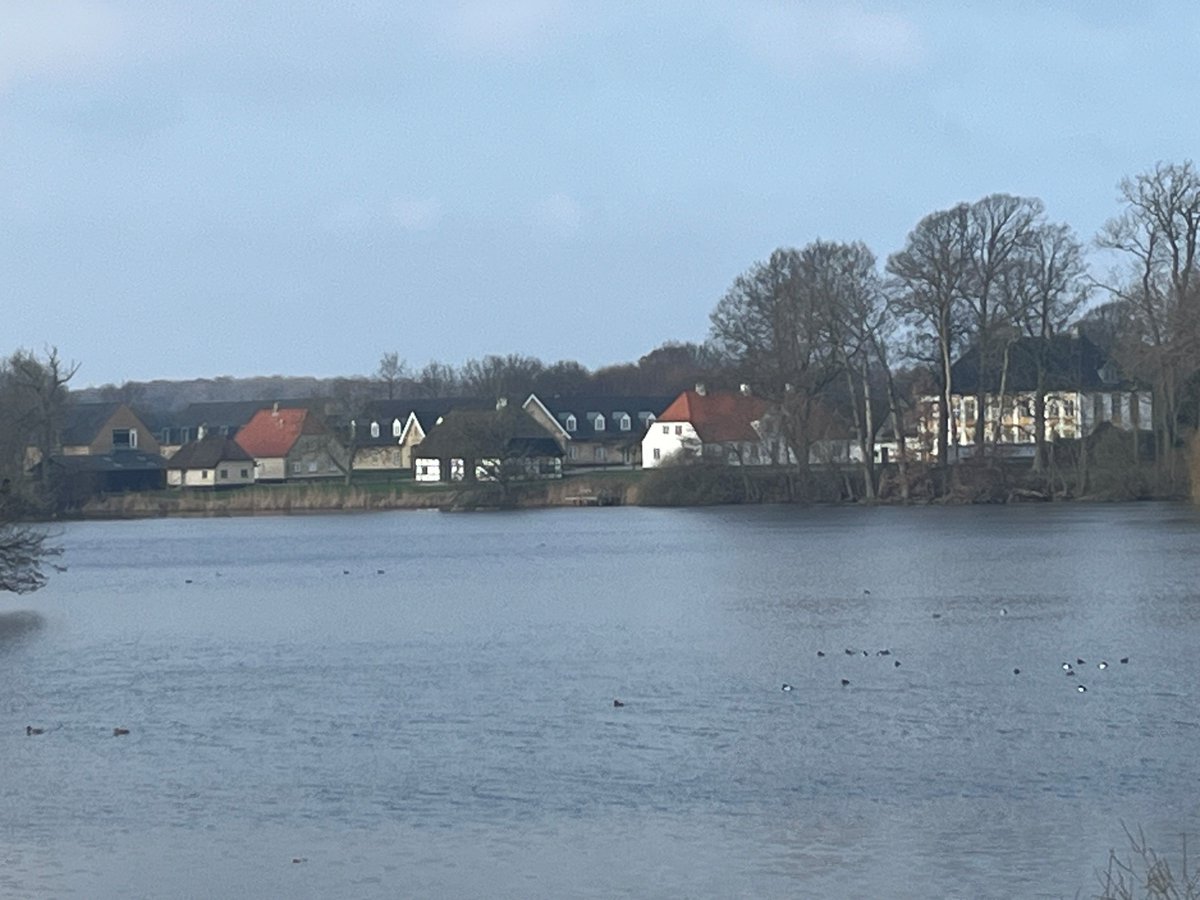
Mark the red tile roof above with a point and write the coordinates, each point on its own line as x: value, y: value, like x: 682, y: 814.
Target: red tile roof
x: 717, y: 416
x: 273, y: 432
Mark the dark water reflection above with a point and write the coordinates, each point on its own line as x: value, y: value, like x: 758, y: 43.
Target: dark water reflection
x: 421, y: 704
x: 17, y: 626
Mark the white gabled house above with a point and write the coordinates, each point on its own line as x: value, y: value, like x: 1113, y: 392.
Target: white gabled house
x: 723, y: 426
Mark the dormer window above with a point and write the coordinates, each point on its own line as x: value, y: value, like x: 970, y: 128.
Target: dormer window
x: 571, y: 424
x: 598, y: 422
x: 626, y: 423
x: 374, y: 429
x: 397, y: 428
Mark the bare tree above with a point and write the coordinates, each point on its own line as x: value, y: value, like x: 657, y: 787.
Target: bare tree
x: 931, y: 275
x: 22, y: 552
x: 501, y: 376
x: 1158, y: 233
x: 773, y: 328
x: 392, y: 373
x: 846, y: 286
x: 438, y: 379
x: 1043, y: 293
x: 999, y: 230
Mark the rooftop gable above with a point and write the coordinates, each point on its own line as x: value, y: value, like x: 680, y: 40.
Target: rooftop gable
x: 208, y: 452
x: 273, y: 432
x: 717, y: 416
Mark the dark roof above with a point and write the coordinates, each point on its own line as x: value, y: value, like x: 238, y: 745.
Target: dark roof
x: 83, y: 421
x: 117, y: 461
x: 1073, y: 363
x: 588, y: 412
x: 207, y: 453
x: 427, y: 411
x: 477, y: 433
x: 229, y: 415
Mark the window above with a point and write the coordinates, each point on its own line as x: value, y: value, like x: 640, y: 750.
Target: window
x: 571, y: 423
x: 666, y: 429
x: 245, y: 473
x: 600, y: 454
x: 124, y: 438
x: 598, y: 423
x: 312, y: 465
x: 679, y: 429
x: 657, y: 453
x: 204, y: 474
x: 1069, y: 409
x: 626, y: 423
x: 374, y: 429
x: 397, y: 428
x: 296, y: 467
x: 572, y: 452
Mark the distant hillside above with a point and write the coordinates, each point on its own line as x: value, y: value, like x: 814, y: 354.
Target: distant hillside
x: 167, y: 396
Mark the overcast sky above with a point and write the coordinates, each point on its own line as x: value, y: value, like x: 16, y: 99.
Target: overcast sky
x: 207, y: 188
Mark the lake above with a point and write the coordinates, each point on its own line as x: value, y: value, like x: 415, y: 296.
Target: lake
x: 421, y: 704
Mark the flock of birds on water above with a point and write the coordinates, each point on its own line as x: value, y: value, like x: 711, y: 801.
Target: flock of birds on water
x: 1068, y: 668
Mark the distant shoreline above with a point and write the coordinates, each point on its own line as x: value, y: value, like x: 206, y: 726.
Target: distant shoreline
x: 689, y: 486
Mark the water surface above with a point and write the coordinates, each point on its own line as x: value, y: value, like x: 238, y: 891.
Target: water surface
x: 420, y: 704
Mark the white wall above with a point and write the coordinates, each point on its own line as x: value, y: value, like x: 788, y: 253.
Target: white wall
x: 668, y: 438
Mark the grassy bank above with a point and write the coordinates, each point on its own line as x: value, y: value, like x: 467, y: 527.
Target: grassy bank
x: 599, y: 489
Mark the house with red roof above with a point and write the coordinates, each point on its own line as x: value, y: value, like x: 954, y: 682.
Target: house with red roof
x: 737, y: 428
x: 291, y: 444
x: 723, y: 426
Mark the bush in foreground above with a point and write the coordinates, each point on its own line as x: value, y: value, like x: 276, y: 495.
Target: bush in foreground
x: 1141, y: 874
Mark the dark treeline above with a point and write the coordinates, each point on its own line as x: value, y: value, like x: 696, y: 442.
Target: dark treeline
x: 666, y: 369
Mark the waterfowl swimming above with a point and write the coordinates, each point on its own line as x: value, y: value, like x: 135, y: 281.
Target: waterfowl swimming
x: 1081, y: 689
x: 820, y: 653
x: 1078, y: 661
x: 786, y: 687
x: 617, y: 703
x: 896, y: 664
x: 1124, y: 659
x: 845, y: 682
x: 884, y: 653
x: 1102, y: 665
x: 1070, y: 673
x: 29, y: 729
x: 117, y: 732
x: 1016, y: 671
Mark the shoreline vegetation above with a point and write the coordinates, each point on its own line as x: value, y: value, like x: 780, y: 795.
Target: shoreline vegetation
x: 991, y: 482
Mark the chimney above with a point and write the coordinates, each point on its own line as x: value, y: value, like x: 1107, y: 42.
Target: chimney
x: 701, y: 389
x: 501, y: 403
x: 745, y: 389
x: 275, y: 408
